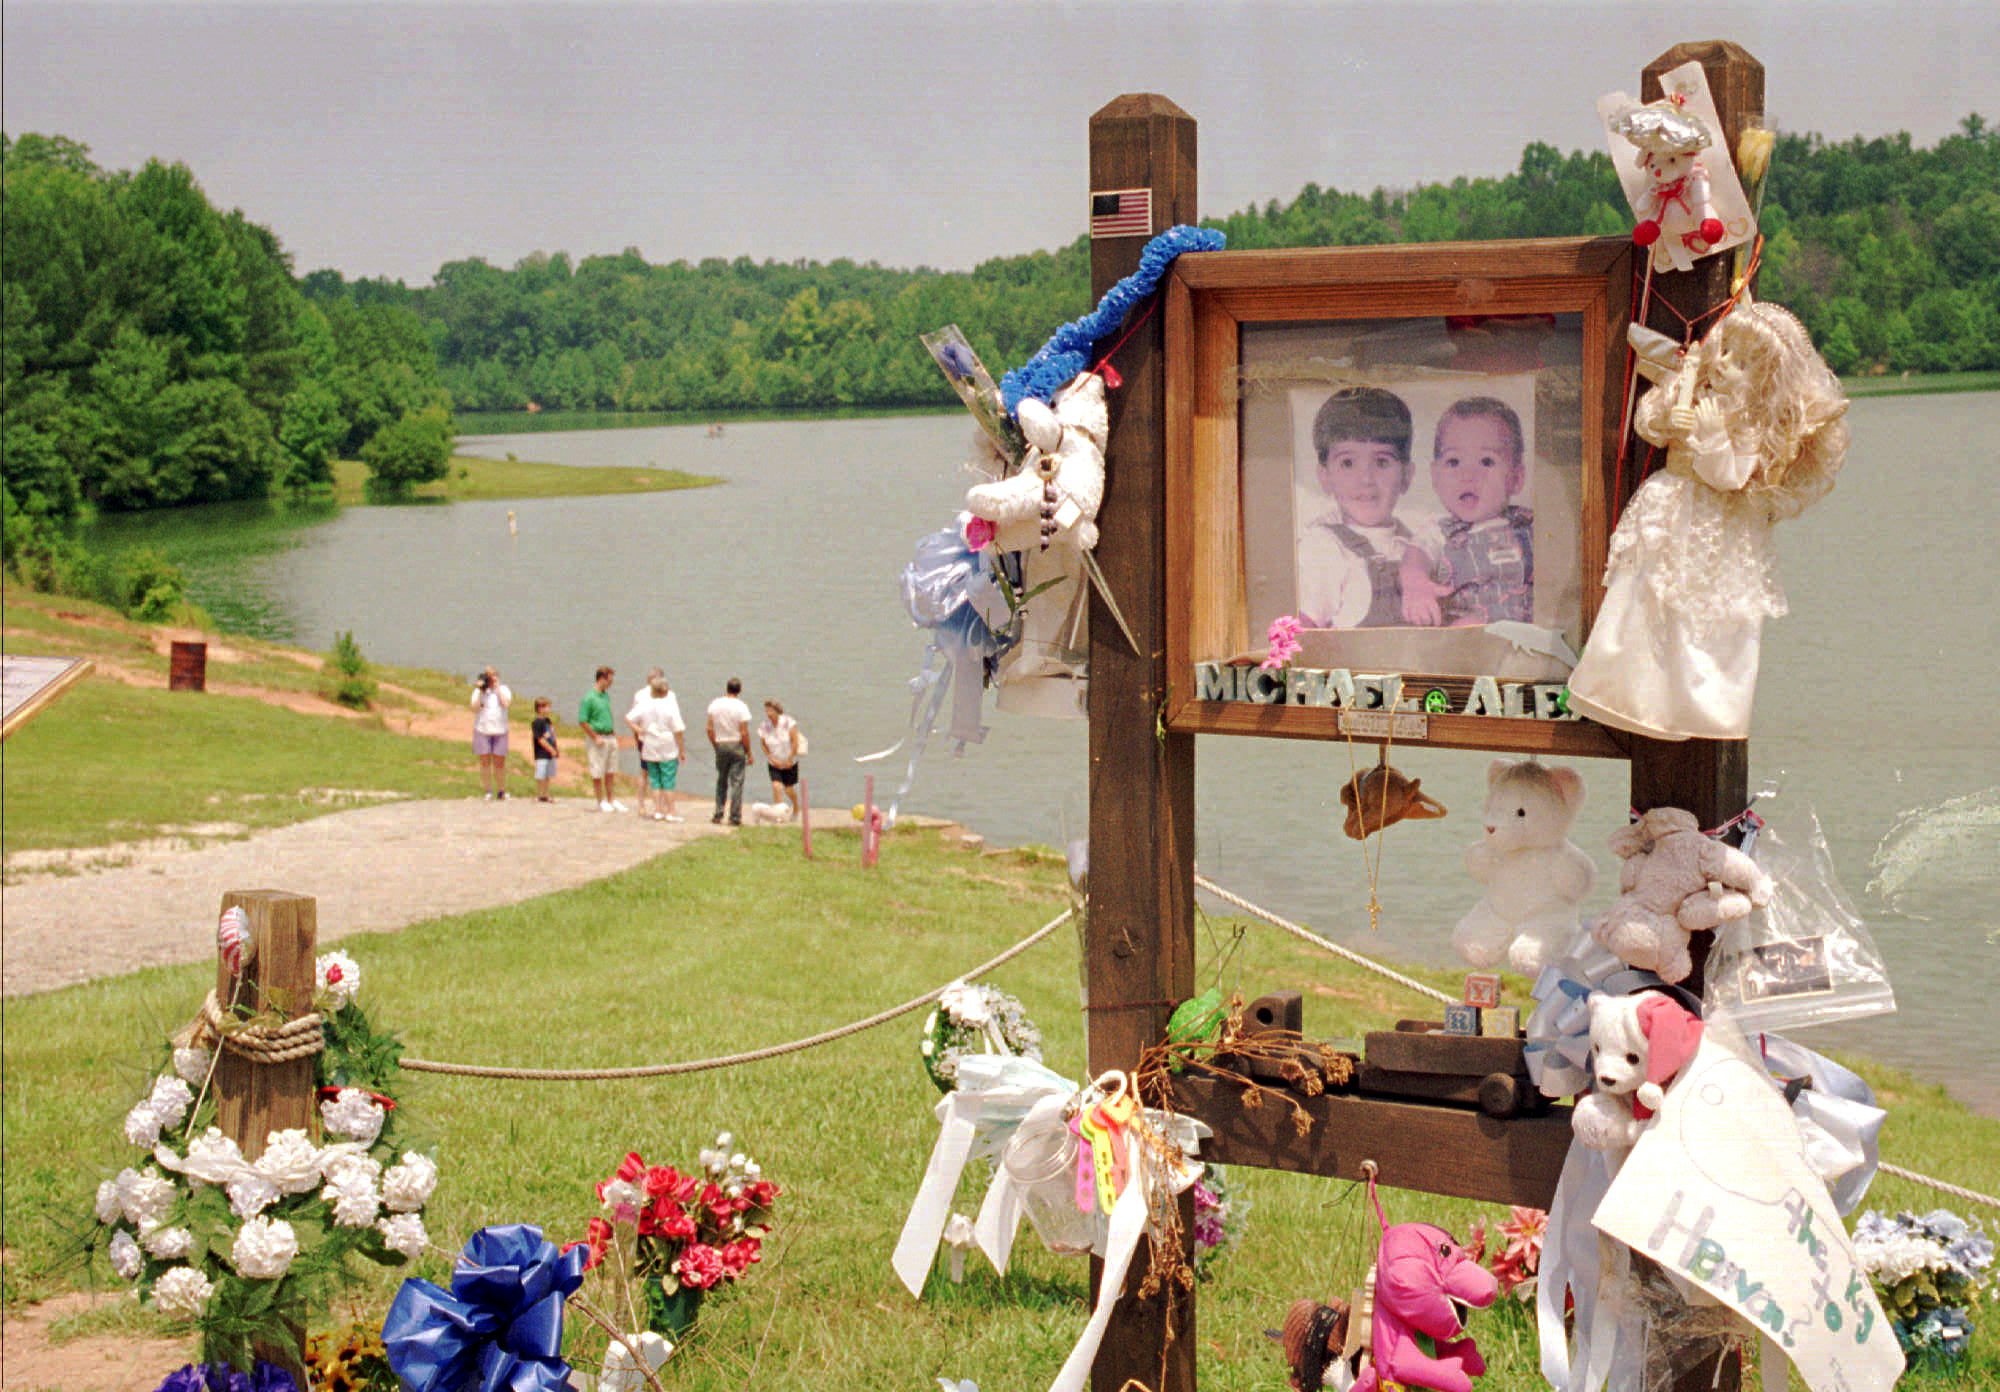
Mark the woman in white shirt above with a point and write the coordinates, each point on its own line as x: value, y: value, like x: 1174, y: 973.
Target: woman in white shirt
x: 490, y: 699
x: 784, y: 745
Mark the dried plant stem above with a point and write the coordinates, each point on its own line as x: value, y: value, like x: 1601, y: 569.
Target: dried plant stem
x: 590, y: 1312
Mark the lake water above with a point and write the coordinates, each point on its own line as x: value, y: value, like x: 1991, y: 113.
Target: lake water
x: 1870, y: 707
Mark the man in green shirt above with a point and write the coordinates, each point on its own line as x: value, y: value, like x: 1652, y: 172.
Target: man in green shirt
x: 600, y: 737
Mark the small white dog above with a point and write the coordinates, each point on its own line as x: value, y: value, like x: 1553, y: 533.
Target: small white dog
x: 1638, y: 1045
x: 767, y: 813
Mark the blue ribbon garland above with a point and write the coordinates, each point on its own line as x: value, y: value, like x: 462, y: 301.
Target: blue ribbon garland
x: 1067, y: 353
x: 499, y: 1327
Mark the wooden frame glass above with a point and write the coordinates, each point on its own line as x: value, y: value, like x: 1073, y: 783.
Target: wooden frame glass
x: 1411, y: 449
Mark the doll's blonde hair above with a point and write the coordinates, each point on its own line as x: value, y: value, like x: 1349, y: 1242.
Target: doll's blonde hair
x: 1792, y: 407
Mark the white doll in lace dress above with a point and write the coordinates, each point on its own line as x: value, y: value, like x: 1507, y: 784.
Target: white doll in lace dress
x: 1751, y: 422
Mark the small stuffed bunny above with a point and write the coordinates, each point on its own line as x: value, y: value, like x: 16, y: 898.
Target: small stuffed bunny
x: 1675, y: 882
x: 1638, y: 1044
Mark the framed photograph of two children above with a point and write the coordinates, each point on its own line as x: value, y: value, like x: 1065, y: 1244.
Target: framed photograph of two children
x: 1411, y: 451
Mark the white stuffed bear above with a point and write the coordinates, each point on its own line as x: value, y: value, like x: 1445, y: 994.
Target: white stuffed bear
x: 1534, y: 875
x: 1638, y: 1045
x: 1676, y: 881
x: 1047, y: 511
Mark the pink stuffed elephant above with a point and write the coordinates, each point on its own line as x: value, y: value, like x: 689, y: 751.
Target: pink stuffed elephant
x: 1424, y: 1285
x: 1675, y: 882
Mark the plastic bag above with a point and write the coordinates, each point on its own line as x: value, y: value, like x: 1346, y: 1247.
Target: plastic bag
x: 1807, y: 958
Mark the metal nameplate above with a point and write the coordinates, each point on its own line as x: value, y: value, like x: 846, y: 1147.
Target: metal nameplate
x: 1402, y: 725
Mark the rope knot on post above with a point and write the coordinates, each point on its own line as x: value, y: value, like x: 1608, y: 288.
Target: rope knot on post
x: 256, y: 1040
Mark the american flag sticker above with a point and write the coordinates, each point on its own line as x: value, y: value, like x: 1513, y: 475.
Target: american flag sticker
x: 1122, y: 213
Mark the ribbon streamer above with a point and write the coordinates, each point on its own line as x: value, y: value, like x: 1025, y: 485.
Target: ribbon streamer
x: 499, y: 1327
x: 995, y: 1094
x: 1558, y: 1031
x: 948, y: 590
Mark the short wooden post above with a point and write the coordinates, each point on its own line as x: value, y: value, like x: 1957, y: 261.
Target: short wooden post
x: 1139, y: 952
x: 1710, y: 778
x: 871, y: 830
x: 254, y: 1099
x: 805, y: 819
x: 187, y: 666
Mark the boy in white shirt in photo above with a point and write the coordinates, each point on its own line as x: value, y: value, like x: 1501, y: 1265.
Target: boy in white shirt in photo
x: 1350, y: 557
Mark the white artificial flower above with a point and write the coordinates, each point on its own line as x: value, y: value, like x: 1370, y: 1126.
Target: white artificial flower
x: 182, y: 1291
x: 337, y: 979
x: 109, y: 1207
x: 344, y: 1164
x: 967, y: 1005
x: 354, y: 1114
x: 193, y: 1065
x: 125, y: 1258
x: 291, y: 1161
x: 144, y: 1198
x: 250, y: 1194
x: 170, y: 1100
x: 354, y: 1200
x: 168, y: 1244
x: 143, y: 1123
x: 264, y: 1249
x: 212, y: 1159
x: 622, y: 1193
x: 404, y: 1233
x: 407, y: 1187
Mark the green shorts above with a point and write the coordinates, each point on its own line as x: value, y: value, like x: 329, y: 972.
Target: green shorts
x: 661, y: 773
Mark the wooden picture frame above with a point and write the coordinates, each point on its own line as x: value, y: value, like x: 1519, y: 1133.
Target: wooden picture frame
x: 1544, y: 317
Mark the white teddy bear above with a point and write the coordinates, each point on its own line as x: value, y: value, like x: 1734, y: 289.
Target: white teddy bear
x: 1047, y: 512
x: 1534, y: 875
x: 1638, y: 1045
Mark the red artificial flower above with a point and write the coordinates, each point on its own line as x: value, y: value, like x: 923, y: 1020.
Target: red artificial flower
x: 675, y: 1224
x: 721, y: 1207
x: 596, y: 1239
x: 739, y: 1256
x: 761, y: 1193
x: 700, y: 1266
x: 629, y: 1169
x: 1521, y: 1257
x: 664, y: 1182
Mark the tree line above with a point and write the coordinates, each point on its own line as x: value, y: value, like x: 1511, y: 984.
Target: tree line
x: 1889, y: 252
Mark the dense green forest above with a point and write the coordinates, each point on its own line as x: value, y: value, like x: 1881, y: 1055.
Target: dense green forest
x: 159, y: 351
x: 1890, y: 253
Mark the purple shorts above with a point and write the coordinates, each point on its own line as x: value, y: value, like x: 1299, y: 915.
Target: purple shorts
x: 490, y: 744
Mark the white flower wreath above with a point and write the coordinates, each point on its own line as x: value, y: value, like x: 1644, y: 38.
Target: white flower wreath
x: 974, y: 1020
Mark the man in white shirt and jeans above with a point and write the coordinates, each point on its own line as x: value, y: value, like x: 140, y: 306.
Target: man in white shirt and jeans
x: 729, y: 732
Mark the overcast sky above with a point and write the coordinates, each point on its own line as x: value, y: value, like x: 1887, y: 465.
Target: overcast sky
x: 386, y: 139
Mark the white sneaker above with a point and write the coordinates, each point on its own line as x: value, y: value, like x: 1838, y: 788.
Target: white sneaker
x: 617, y: 806
x: 489, y: 797
x: 604, y: 807
x: 657, y: 816
x: 670, y: 817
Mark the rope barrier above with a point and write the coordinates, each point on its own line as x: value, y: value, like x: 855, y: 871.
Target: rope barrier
x: 1299, y: 931
x: 1969, y: 1195
x: 659, y: 1070
x: 260, y: 1043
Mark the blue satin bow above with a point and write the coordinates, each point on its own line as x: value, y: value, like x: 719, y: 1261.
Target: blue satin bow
x: 499, y: 1327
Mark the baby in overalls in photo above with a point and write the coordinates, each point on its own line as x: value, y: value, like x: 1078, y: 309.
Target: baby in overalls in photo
x: 1476, y: 564
x: 1351, y: 556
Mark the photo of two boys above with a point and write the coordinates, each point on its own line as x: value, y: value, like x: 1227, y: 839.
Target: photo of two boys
x: 1375, y: 552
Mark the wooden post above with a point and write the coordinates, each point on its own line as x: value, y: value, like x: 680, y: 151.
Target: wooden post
x: 805, y: 819
x: 1139, y: 952
x: 254, y: 1099
x: 871, y: 831
x: 1710, y: 778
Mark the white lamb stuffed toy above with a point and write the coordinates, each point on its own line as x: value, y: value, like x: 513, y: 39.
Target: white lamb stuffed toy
x: 1533, y: 874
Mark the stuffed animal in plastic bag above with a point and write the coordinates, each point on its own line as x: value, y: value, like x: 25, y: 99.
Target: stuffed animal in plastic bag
x: 1675, y: 210
x: 1425, y: 1285
x: 1638, y: 1045
x: 1533, y: 873
x: 1047, y: 512
x: 1675, y: 882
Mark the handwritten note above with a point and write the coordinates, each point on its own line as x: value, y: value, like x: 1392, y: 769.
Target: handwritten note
x: 1718, y: 1191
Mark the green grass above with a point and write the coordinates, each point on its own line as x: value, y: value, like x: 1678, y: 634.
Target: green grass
x: 109, y: 762
x: 734, y: 943
x: 1921, y: 383
x: 472, y: 479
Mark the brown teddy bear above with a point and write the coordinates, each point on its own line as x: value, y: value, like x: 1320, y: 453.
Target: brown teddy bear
x: 1675, y: 882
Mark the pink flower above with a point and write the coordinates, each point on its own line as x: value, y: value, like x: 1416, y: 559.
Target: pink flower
x: 979, y: 533
x: 700, y: 1266
x: 1282, y: 641
x: 1521, y: 1257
